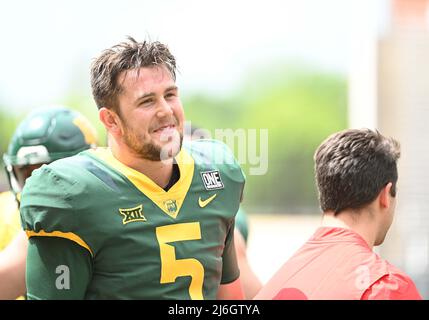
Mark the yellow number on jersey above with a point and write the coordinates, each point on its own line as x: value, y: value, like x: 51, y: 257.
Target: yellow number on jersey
x: 171, y: 268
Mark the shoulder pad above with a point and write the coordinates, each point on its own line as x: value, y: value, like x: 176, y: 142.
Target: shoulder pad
x: 215, y: 155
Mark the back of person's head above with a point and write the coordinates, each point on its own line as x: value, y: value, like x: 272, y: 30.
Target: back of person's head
x: 127, y: 55
x: 353, y: 166
x: 46, y: 135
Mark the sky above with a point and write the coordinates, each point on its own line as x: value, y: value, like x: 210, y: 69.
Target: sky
x: 47, y: 45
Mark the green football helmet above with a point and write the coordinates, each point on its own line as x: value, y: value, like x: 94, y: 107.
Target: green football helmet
x: 45, y: 135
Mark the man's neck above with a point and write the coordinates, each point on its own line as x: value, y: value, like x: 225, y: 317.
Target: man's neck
x: 158, y: 171
x: 360, y: 222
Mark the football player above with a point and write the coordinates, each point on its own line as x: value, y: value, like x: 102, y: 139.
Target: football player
x: 146, y: 218
x: 44, y: 136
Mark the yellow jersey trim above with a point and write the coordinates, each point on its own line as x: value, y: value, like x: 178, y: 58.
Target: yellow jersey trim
x: 66, y: 235
x: 169, y: 201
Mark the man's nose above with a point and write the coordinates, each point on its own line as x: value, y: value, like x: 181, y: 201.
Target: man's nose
x: 164, y: 109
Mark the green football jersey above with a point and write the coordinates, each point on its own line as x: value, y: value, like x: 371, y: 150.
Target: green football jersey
x: 143, y: 242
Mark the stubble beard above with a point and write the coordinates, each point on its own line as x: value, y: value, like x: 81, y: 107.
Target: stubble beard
x: 150, y: 151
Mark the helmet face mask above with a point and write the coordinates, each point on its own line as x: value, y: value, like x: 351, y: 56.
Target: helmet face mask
x: 28, y: 155
x: 11, y: 178
x: 17, y: 175
x: 45, y: 135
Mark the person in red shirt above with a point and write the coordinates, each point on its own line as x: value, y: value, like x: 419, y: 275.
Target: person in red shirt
x: 356, y: 176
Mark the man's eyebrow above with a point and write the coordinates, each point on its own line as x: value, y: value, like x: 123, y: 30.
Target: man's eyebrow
x: 146, y: 95
x: 171, y: 88
x: 151, y: 94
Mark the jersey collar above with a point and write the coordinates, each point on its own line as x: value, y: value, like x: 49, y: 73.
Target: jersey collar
x: 169, y: 201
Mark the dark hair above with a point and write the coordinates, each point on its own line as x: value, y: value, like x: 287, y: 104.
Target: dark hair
x: 124, y: 56
x: 352, y: 166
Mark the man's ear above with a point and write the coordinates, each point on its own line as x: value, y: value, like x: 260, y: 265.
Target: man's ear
x: 111, y: 121
x: 385, y: 195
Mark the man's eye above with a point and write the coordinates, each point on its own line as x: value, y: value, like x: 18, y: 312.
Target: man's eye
x: 148, y: 101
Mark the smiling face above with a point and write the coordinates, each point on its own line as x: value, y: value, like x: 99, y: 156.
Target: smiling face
x: 151, y: 113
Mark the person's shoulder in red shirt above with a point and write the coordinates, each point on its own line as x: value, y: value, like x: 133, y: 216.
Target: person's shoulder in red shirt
x: 337, y: 263
x: 393, y: 286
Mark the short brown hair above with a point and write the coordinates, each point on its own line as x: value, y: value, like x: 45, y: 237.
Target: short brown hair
x: 352, y: 166
x: 125, y: 56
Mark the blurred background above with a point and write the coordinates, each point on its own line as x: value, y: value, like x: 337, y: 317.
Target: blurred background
x: 300, y: 69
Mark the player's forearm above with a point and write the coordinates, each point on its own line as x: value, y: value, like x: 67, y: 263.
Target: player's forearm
x: 231, y: 291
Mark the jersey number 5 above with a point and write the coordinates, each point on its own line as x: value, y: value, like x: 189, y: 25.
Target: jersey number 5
x: 171, y: 268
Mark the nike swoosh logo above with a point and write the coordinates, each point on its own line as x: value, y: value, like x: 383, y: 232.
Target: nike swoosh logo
x: 203, y: 203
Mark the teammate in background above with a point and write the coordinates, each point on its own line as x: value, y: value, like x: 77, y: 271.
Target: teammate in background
x: 356, y: 175
x: 45, y: 135
x: 144, y: 218
x: 249, y: 280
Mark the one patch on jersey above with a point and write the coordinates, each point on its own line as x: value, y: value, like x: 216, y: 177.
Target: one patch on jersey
x: 171, y: 206
x: 132, y: 214
x: 212, y: 180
